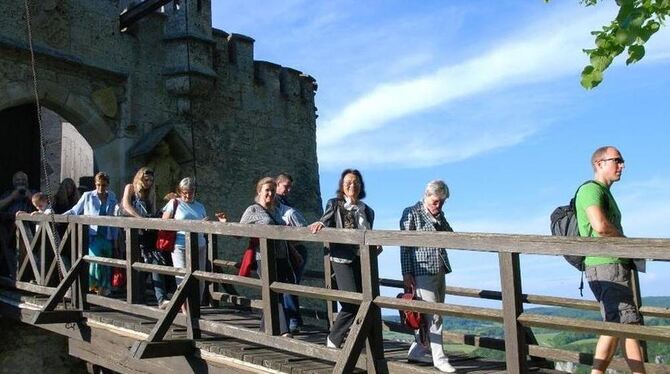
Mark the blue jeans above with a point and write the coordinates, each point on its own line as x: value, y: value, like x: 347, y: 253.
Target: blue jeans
x: 156, y: 257
x: 292, y: 302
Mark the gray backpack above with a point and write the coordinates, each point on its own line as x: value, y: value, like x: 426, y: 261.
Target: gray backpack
x: 564, y: 223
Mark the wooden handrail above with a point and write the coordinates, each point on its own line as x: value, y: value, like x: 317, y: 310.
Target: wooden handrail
x: 35, y: 250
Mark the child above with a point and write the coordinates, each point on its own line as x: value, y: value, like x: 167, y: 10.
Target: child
x: 41, y: 203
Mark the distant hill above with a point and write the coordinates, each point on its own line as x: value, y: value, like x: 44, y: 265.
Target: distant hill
x: 651, y: 301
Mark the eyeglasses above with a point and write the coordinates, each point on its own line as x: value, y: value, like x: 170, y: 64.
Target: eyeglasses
x: 349, y: 184
x: 618, y: 160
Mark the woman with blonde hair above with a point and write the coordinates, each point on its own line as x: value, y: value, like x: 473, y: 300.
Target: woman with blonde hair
x: 264, y: 212
x: 139, y: 200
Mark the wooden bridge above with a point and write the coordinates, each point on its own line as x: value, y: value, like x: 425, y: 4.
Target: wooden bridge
x: 45, y: 285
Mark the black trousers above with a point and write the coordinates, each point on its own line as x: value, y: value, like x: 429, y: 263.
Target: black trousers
x: 348, y: 277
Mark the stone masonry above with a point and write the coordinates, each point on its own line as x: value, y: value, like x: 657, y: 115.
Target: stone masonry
x: 170, y: 78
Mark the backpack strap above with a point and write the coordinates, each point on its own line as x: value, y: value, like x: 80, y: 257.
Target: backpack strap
x: 573, y: 202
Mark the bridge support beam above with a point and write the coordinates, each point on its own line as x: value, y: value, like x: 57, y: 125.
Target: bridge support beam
x: 144, y: 349
x: 57, y: 316
x: 515, y: 338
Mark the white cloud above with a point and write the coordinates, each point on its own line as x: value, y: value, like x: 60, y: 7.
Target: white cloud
x: 544, y: 55
x: 380, y: 127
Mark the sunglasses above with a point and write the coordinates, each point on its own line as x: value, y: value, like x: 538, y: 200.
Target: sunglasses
x: 148, y: 172
x: 618, y: 160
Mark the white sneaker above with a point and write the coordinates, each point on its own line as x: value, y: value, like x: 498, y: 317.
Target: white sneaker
x: 444, y: 366
x: 330, y: 344
x: 417, y: 353
x: 425, y: 358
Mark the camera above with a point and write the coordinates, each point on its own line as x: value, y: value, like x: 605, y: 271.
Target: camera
x: 22, y: 191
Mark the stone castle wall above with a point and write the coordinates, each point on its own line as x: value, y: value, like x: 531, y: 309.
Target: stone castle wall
x: 171, y: 70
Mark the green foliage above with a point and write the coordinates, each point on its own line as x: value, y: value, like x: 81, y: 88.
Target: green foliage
x: 635, y: 23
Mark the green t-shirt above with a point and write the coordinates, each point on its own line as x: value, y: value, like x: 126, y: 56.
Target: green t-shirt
x: 597, y: 194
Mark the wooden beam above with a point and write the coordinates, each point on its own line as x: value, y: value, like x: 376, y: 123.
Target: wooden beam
x: 134, y: 279
x: 193, y: 288
x: 374, y: 342
x: 62, y: 288
x: 421, y: 306
x: 317, y: 292
x: 139, y: 11
x: 163, y: 324
x: 515, y: 338
x: 144, y: 349
x: 597, y: 327
x: 268, y: 266
x: 57, y: 316
x: 355, y: 340
x: 328, y: 284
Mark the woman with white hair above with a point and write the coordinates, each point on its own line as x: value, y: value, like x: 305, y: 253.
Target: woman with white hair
x: 186, y: 207
x: 423, y: 271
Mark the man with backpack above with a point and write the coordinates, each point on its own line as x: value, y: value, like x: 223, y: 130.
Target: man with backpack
x: 609, y: 277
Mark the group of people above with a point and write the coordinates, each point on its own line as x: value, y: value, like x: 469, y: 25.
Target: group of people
x: 423, y: 268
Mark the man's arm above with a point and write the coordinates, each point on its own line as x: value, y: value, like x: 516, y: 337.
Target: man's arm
x: 127, y: 201
x: 600, y: 223
x: 407, y: 254
x: 4, y: 203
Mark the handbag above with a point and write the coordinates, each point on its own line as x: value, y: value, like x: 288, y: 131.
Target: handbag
x: 412, y: 319
x: 118, y: 278
x: 166, y: 238
x: 248, y: 262
x: 409, y: 318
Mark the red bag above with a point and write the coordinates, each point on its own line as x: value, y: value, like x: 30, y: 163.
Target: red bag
x: 118, y: 278
x: 248, y: 262
x: 407, y: 317
x: 165, y: 239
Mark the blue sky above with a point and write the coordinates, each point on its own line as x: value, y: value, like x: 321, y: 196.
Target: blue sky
x: 484, y: 95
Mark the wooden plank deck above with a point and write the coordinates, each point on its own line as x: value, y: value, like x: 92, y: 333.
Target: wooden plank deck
x: 122, y: 329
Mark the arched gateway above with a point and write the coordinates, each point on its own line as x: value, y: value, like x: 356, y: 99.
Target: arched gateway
x: 168, y: 80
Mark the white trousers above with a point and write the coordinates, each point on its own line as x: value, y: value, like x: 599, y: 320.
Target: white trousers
x: 179, y: 261
x: 430, y: 288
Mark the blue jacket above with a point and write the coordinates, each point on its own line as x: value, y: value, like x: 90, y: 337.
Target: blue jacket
x: 89, y: 205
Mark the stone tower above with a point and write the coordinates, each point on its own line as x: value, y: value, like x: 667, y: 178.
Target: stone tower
x: 170, y: 81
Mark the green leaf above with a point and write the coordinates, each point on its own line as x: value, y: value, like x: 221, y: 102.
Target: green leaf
x: 600, y: 62
x: 591, y: 77
x: 621, y: 36
x: 635, y: 54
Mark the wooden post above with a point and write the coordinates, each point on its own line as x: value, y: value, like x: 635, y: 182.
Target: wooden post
x: 134, y: 278
x: 193, y: 292
x: 270, y: 299
x: 515, y: 342
x: 331, y: 306
x: 637, y: 298
x: 82, y: 282
x: 41, y: 277
x: 211, y: 287
x: 374, y: 344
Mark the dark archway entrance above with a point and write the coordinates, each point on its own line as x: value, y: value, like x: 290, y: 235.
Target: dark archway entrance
x: 19, y: 145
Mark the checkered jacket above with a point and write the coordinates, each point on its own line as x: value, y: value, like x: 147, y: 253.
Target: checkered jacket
x: 423, y: 260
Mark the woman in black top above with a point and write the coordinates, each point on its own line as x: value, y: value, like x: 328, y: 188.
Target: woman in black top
x: 346, y: 211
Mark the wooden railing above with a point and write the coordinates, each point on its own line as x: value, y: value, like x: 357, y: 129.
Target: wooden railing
x: 37, y: 267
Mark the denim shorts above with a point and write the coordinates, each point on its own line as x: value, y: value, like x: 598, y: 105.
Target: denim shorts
x: 610, y: 284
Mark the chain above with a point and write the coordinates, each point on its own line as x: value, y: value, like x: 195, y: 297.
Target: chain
x: 52, y: 224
